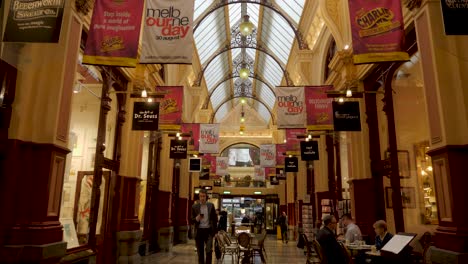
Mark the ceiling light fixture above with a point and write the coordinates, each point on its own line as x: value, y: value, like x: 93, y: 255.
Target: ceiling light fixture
x: 144, y: 94
x: 349, y: 93
x: 246, y: 27
x: 341, y: 100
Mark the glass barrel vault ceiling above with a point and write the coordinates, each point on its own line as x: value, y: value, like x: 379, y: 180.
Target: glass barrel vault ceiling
x: 273, y: 32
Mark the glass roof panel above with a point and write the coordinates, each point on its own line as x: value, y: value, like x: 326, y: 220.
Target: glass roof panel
x: 277, y: 35
x: 234, y: 14
x: 269, y: 69
x: 220, y: 94
x: 293, y: 8
x: 222, y: 112
x: 262, y: 111
x: 210, y: 35
x: 253, y: 10
x: 235, y: 52
x: 200, y: 7
x: 217, y: 69
x: 265, y: 94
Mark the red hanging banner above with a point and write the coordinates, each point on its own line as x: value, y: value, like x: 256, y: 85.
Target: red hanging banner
x: 378, y: 31
x: 114, y: 33
x: 319, y: 108
x: 170, y: 108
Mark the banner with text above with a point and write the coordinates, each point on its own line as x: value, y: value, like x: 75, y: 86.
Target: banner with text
x: 114, y: 33
x: 170, y: 108
x: 222, y: 166
x: 37, y: 21
x: 208, y: 167
x: 280, y: 173
x: 309, y: 150
x: 280, y: 154
x: 290, y: 107
x: 178, y: 149
x: 346, y: 116
x: 209, y: 138
x: 168, y: 32
x: 145, y: 116
x: 292, y: 142
x: 455, y: 13
x: 378, y: 31
x: 194, y: 130
x: 268, y: 155
x: 319, y: 108
x: 291, y: 164
x: 259, y: 174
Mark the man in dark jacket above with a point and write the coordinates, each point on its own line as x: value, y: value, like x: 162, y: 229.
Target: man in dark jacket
x: 327, y: 240
x: 206, y: 222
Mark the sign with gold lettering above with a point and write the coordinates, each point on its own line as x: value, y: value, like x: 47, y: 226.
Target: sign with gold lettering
x: 168, y: 32
x: 114, y: 33
x: 34, y: 21
x: 455, y: 13
x: 377, y: 30
x: 145, y: 116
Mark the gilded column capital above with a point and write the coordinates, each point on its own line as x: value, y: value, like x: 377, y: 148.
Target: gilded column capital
x: 412, y: 4
x: 83, y: 6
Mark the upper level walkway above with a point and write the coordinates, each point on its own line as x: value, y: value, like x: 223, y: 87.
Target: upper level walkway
x: 277, y: 252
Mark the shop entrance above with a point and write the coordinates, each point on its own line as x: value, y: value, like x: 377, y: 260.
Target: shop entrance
x: 257, y: 212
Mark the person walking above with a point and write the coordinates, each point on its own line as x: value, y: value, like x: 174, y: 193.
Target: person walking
x: 283, y: 223
x: 206, y: 223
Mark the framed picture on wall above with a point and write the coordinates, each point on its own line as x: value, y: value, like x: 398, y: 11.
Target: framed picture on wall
x: 408, y: 197
x: 403, y: 163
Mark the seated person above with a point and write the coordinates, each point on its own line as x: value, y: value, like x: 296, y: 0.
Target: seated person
x: 380, y: 228
x: 353, y: 232
x: 327, y: 240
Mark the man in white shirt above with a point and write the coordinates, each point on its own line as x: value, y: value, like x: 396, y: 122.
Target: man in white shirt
x: 352, y: 231
x: 206, y: 222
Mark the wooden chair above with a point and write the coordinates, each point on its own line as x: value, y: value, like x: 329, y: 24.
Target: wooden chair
x: 310, y: 253
x: 227, y: 249
x: 348, y: 257
x: 243, y: 241
x: 318, y: 249
x: 259, y: 248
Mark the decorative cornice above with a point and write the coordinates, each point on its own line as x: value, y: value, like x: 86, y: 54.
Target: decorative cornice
x: 412, y: 4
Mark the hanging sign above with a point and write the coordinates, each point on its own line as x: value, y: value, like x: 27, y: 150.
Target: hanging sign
x: 319, y: 108
x: 209, y: 138
x: 114, y: 33
x: 274, y: 180
x: 280, y: 154
x: 346, y: 116
x: 195, y: 164
x: 377, y: 30
x: 168, y: 32
x: 145, y: 116
x: 309, y: 150
x: 291, y: 164
x: 170, y: 108
x: 222, y: 166
x: 178, y: 149
x: 290, y: 107
x: 268, y: 155
x: 292, y: 142
x: 194, y: 130
x: 280, y: 174
x: 455, y: 13
x: 34, y: 21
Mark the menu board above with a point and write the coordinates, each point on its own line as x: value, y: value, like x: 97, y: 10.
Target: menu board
x: 398, y: 242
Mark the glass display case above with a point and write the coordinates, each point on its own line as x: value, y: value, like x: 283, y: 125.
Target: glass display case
x: 426, y: 183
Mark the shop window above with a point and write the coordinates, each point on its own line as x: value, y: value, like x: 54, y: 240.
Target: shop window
x: 79, y: 170
x: 426, y: 182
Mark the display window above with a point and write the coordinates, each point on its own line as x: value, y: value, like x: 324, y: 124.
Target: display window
x: 79, y: 172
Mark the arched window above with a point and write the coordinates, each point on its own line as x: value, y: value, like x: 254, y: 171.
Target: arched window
x: 242, y: 155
